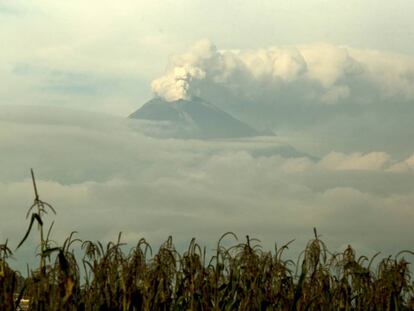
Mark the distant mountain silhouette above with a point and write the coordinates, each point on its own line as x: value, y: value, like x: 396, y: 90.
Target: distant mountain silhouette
x: 193, y: 118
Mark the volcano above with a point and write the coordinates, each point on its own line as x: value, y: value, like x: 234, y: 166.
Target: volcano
x: 193, y: 118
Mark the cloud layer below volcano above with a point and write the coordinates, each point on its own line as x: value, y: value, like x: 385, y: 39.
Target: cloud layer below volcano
x: 104, y: 177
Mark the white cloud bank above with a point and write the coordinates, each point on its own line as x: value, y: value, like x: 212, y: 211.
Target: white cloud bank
x: 327, y: 73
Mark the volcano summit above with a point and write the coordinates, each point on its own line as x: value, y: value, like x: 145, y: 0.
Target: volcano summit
x: 193, y: 118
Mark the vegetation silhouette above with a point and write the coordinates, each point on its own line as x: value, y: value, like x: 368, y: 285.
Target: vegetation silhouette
x: 239, y: 277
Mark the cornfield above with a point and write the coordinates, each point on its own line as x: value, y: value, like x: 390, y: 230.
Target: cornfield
x: 237, y: 277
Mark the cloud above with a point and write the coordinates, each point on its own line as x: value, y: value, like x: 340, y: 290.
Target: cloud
x: 355, y: 161
x: 328, y: 70
x: 102, y: 177
x: 406, y: 165
x: 176, y: 85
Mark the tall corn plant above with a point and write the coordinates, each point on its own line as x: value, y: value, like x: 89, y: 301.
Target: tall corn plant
x: 45, y: 284
x: 37, y: 210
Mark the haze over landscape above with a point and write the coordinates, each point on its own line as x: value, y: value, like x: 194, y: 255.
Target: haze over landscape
x: 194, y: 118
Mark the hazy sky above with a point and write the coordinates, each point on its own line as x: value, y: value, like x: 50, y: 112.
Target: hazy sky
x: 333, y: 79
x: 103, y: 55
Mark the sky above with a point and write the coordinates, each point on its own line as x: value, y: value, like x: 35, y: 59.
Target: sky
x: 332, y: 79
